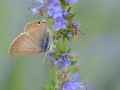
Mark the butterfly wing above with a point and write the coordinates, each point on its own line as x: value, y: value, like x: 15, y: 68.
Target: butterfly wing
x: 24, y: 45
x: 31, y: 41
x: 37, y: 30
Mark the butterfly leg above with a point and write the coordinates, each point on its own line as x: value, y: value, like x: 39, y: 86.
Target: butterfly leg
x: 44, y: 58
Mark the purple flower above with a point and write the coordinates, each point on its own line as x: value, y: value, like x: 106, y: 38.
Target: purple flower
x: 76, y: 27
x: 54, y: 9
x: 60, y: 23
x: 71, y: 1
x: 40, y: 1
x: 64, y: 13
x: 50, y: 54
x: 49, y: 1
x: 62, y: 62
x: 59, y: 63
x: 73, y: 84
x: 70, y: 35
x: 35, y: 10
x: 67, y: 61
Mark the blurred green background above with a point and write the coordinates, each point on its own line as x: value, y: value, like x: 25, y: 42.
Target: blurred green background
x: 98, y: 52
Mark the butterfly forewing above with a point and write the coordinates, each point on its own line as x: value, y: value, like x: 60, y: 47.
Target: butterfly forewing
x: 37, y: 30
x: 29, y: 42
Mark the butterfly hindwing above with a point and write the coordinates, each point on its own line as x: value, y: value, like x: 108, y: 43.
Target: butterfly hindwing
x: 24, y: 45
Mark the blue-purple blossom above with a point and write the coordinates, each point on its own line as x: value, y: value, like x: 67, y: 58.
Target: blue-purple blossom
x: 64, y: 13
x: 59, y: 63
x: 40, y: 1
x: 62, y: 62
x: 50, y: 54
x: 76, y: 26
x: 49, y: 1
x: 71, y: 1
x: 70, y: 35
x: 60, y: 23
x: 67, y: 61
x: 35, y: 10
x: 54, y: 8
x: 73, y: 84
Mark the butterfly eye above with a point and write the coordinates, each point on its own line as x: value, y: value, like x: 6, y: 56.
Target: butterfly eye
x: 38, y: 22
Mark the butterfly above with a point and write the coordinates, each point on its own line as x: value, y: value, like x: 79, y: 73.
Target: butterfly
x: 34, y: 40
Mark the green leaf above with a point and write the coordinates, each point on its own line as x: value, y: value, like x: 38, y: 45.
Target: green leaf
x: 68, y: 10
x: 73, y: 62
x: 63, y: 3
